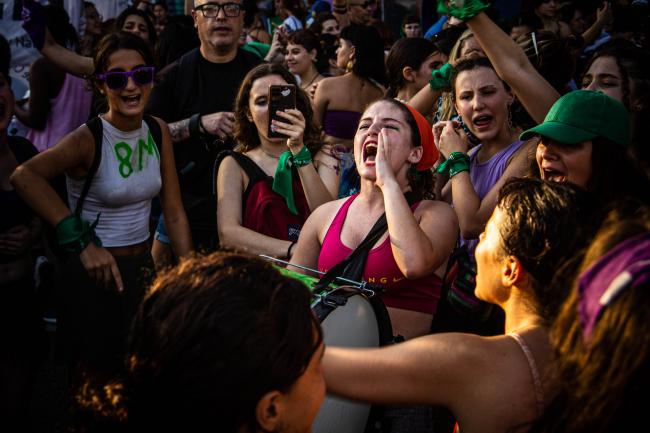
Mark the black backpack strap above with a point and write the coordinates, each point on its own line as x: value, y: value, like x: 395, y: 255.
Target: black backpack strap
x: 352, y: 266
x: 252, y: 170
x: 156, y: 132
x: 97, y: 130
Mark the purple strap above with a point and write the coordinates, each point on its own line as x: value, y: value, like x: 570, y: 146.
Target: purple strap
x: 626, y: 265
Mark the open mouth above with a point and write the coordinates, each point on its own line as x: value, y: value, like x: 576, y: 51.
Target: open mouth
x: 132, y: 99
x: 369, y: 153
x: 553, y: 175
x: 482, y: 121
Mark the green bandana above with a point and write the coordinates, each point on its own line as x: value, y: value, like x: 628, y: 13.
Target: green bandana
x: 74, y: 234
x: 440, y: 77
x: 468, y: 10
x: 283, y: 181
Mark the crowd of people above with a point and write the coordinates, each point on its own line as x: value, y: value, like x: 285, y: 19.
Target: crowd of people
x: 490, y: 179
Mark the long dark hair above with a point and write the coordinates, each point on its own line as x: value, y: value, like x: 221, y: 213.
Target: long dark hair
x: 213, y: 335
x: 368, y: 52
x: 246, y: 133
x: 410, y: 52
x: 602, y: 385
x: 121, y: 18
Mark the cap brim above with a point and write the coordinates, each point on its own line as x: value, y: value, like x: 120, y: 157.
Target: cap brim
x: 560, y: 132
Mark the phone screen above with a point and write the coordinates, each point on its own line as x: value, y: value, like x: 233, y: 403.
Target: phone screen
x: 281, y: 97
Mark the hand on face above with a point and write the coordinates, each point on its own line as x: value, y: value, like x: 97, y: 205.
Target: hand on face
x: 294, y: 128
x: 449, y: 137
x: 383, y: 170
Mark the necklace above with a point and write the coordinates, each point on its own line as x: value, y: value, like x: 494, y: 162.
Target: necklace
x: 312, y: 80
x: 269, y: 154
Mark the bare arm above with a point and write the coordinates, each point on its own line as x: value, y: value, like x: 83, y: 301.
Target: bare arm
x: 425, y: 100
x: 306, y: 252
x: 321, y: 101
x: 473, y: 212
x: 436, y: 369
x: 230, y: 189
x: 73, y: 154
x: 42, y: 78
x: 170, y: 196
x: 180, y: 130
x: 512, y: 65
x: 603, y: 17
x: 419, y: 244
x: 65, y: 59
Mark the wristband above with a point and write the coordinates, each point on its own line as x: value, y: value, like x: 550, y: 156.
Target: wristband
x: 289, y: 249
x: 468, y: 10
x: 194, y: 126
x: 302, y: 158
x: 440, y: 77
x: 75, y: 234
x: 457, y: 162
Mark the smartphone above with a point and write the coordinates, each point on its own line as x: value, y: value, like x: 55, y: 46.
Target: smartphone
x: 281, y: 97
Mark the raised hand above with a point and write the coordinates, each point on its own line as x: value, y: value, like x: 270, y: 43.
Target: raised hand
x: 293, y: 128
x: 383, y: 170
x: 449, y: 137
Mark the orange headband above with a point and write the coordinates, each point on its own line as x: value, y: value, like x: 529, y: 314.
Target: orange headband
x: 430, y: 154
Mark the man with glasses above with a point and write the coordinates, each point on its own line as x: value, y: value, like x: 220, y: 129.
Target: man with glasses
x: 195, y: 97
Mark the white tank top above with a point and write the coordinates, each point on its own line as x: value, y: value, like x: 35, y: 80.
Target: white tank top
x: 127, y: 178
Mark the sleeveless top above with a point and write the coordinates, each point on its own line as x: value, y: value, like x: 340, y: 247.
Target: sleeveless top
x: 534, y: 371
x: 420, y: 295
x: 68, y: 110
x: 127, y: 178
x: 484, y: 175
x: 264, y: 210
x: 341, y: 123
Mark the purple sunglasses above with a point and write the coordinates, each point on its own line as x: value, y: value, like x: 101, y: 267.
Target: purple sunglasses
x: 118, y: 80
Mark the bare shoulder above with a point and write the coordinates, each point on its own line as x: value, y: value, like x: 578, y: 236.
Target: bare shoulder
x: 437, y: 208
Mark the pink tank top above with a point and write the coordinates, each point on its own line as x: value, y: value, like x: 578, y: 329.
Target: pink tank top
x: 420, y: 295
x: 68, y: 111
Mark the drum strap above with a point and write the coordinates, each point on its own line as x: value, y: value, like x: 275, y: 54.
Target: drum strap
x: 352, y: 266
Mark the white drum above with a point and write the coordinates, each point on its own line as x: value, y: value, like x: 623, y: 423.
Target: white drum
x: 349, y: 319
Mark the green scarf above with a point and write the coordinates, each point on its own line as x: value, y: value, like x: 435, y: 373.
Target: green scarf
x: 283, y: 180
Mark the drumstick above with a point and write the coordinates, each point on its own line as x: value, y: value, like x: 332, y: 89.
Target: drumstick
x: 359, y: 284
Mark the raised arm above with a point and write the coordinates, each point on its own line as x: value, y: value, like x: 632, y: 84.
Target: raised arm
x: 65, y: 59
x: 420, y: 242
x: 512, y: 65
x: 473, y: 212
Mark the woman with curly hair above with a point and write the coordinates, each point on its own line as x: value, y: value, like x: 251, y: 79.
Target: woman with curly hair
x: 267, y: 188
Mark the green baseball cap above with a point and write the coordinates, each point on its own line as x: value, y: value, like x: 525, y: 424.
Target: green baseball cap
x: 583, y: 115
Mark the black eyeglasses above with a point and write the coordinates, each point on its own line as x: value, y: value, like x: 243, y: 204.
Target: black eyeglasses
x: 118, y: 80
x: 211, y: 10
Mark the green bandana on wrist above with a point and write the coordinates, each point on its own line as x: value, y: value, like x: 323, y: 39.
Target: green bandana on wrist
x: 283, y: 181
x: 456, y: 163
x: 75, y: 234
x: 468, y: 10
x: 440, y: 77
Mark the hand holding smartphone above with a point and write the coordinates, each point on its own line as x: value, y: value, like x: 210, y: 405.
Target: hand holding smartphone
x: 281, y: 97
